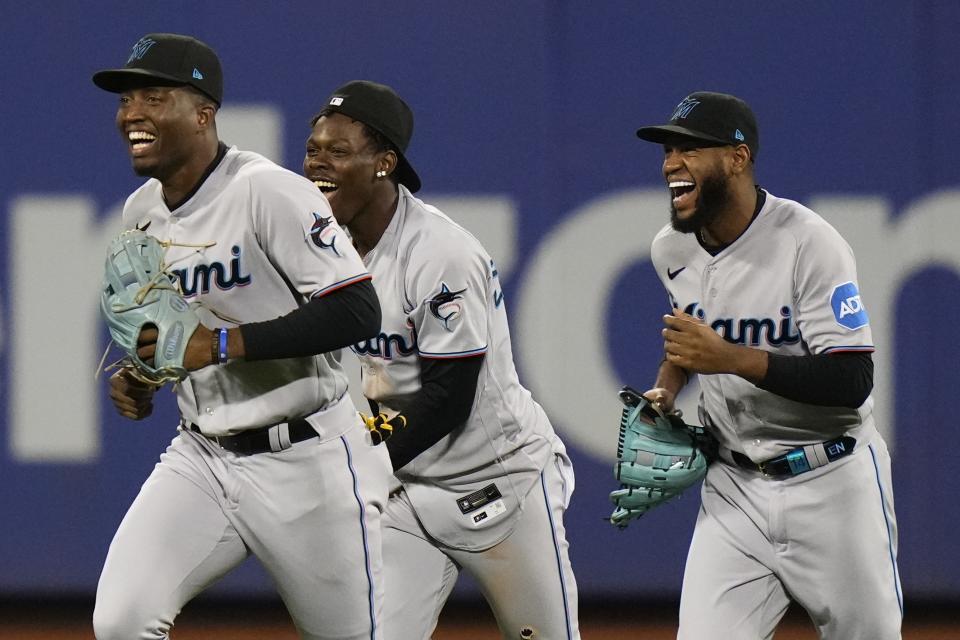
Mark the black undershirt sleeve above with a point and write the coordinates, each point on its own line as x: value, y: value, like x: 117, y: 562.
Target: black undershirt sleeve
x: 340, y: 318
x: 829, y: 379
x: 443, y: 403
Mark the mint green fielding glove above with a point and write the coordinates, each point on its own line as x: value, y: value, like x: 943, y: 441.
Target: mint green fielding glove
x: 657, y: 458
x: 138, y: 292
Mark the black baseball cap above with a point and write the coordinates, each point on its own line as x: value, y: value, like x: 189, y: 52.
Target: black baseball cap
x: 379, y: 106
x: 167, y: 59
x: 715, y: 118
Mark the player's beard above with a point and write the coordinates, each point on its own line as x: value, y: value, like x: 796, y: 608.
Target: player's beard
x: 713, y: 199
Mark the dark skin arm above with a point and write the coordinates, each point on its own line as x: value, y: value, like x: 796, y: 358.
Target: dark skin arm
x: 670, y: 381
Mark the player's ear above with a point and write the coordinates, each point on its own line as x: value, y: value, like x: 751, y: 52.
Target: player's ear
x: 387, y: 162
x: 741, y: 158
x: 205, y: 114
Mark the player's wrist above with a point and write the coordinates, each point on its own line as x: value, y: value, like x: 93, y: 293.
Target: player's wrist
x: 219, y: 353
x: 671, y: 377
x: 750, y: 364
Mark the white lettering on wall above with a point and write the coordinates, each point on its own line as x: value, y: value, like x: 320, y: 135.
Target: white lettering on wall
x: 57, y: 251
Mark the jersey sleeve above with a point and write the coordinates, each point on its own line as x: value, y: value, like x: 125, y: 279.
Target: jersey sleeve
x: 448, y: 284
x: 831, y: 314
x: 296, y: 228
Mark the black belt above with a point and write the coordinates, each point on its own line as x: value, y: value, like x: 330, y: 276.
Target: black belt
x: 799, y: 460
x: 263, y: 439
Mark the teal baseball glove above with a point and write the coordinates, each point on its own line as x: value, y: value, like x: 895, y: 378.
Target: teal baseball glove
x: 657, y: 458
x: 139, y: 292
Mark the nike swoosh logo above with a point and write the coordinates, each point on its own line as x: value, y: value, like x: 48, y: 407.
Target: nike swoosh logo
x: 674, y: 274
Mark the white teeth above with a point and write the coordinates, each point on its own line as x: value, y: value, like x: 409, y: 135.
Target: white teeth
x: 680, y: 183
x: 140, y: 136
x: 324, y: 184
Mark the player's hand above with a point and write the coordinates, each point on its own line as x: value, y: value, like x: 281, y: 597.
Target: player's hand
x: 147, y: 344
x: 691, y: 344
x: 197, y: 355
x: 132, y: 398
x: 661, y: 398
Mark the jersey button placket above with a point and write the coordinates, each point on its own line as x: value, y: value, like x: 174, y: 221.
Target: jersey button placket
x: 714, y: 290
x: 707, y: 290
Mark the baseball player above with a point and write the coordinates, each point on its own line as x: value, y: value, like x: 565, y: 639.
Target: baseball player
x: 482, y: 480
x: 766, y: 309
x: 271, y: 458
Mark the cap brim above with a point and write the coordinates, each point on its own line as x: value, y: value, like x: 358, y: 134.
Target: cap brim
x: 120, y: 80
x: 406, y: 175
x: 667, y: 132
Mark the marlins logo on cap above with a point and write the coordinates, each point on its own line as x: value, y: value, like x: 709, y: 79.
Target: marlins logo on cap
x: 684, y: 108
x: 140, y: 48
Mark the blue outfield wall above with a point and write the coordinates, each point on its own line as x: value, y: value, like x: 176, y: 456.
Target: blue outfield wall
x: 525, y: 119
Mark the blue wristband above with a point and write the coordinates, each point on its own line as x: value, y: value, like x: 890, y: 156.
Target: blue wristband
x: 222, y: 340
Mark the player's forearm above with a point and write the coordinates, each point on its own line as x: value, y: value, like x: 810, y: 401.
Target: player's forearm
x: 671, y: 377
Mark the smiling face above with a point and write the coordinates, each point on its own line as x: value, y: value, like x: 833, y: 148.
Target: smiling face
x: 343, y: 161
x: 699, y: 181
x: 162, y: 127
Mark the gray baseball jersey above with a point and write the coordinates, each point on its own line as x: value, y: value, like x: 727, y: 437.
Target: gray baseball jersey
x: 490, y: 495
x: 270, y: 251
x: 826, y: 537
x: 253, y: 243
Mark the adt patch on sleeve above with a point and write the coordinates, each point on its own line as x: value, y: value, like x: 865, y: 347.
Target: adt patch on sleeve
x: 848, y: 310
